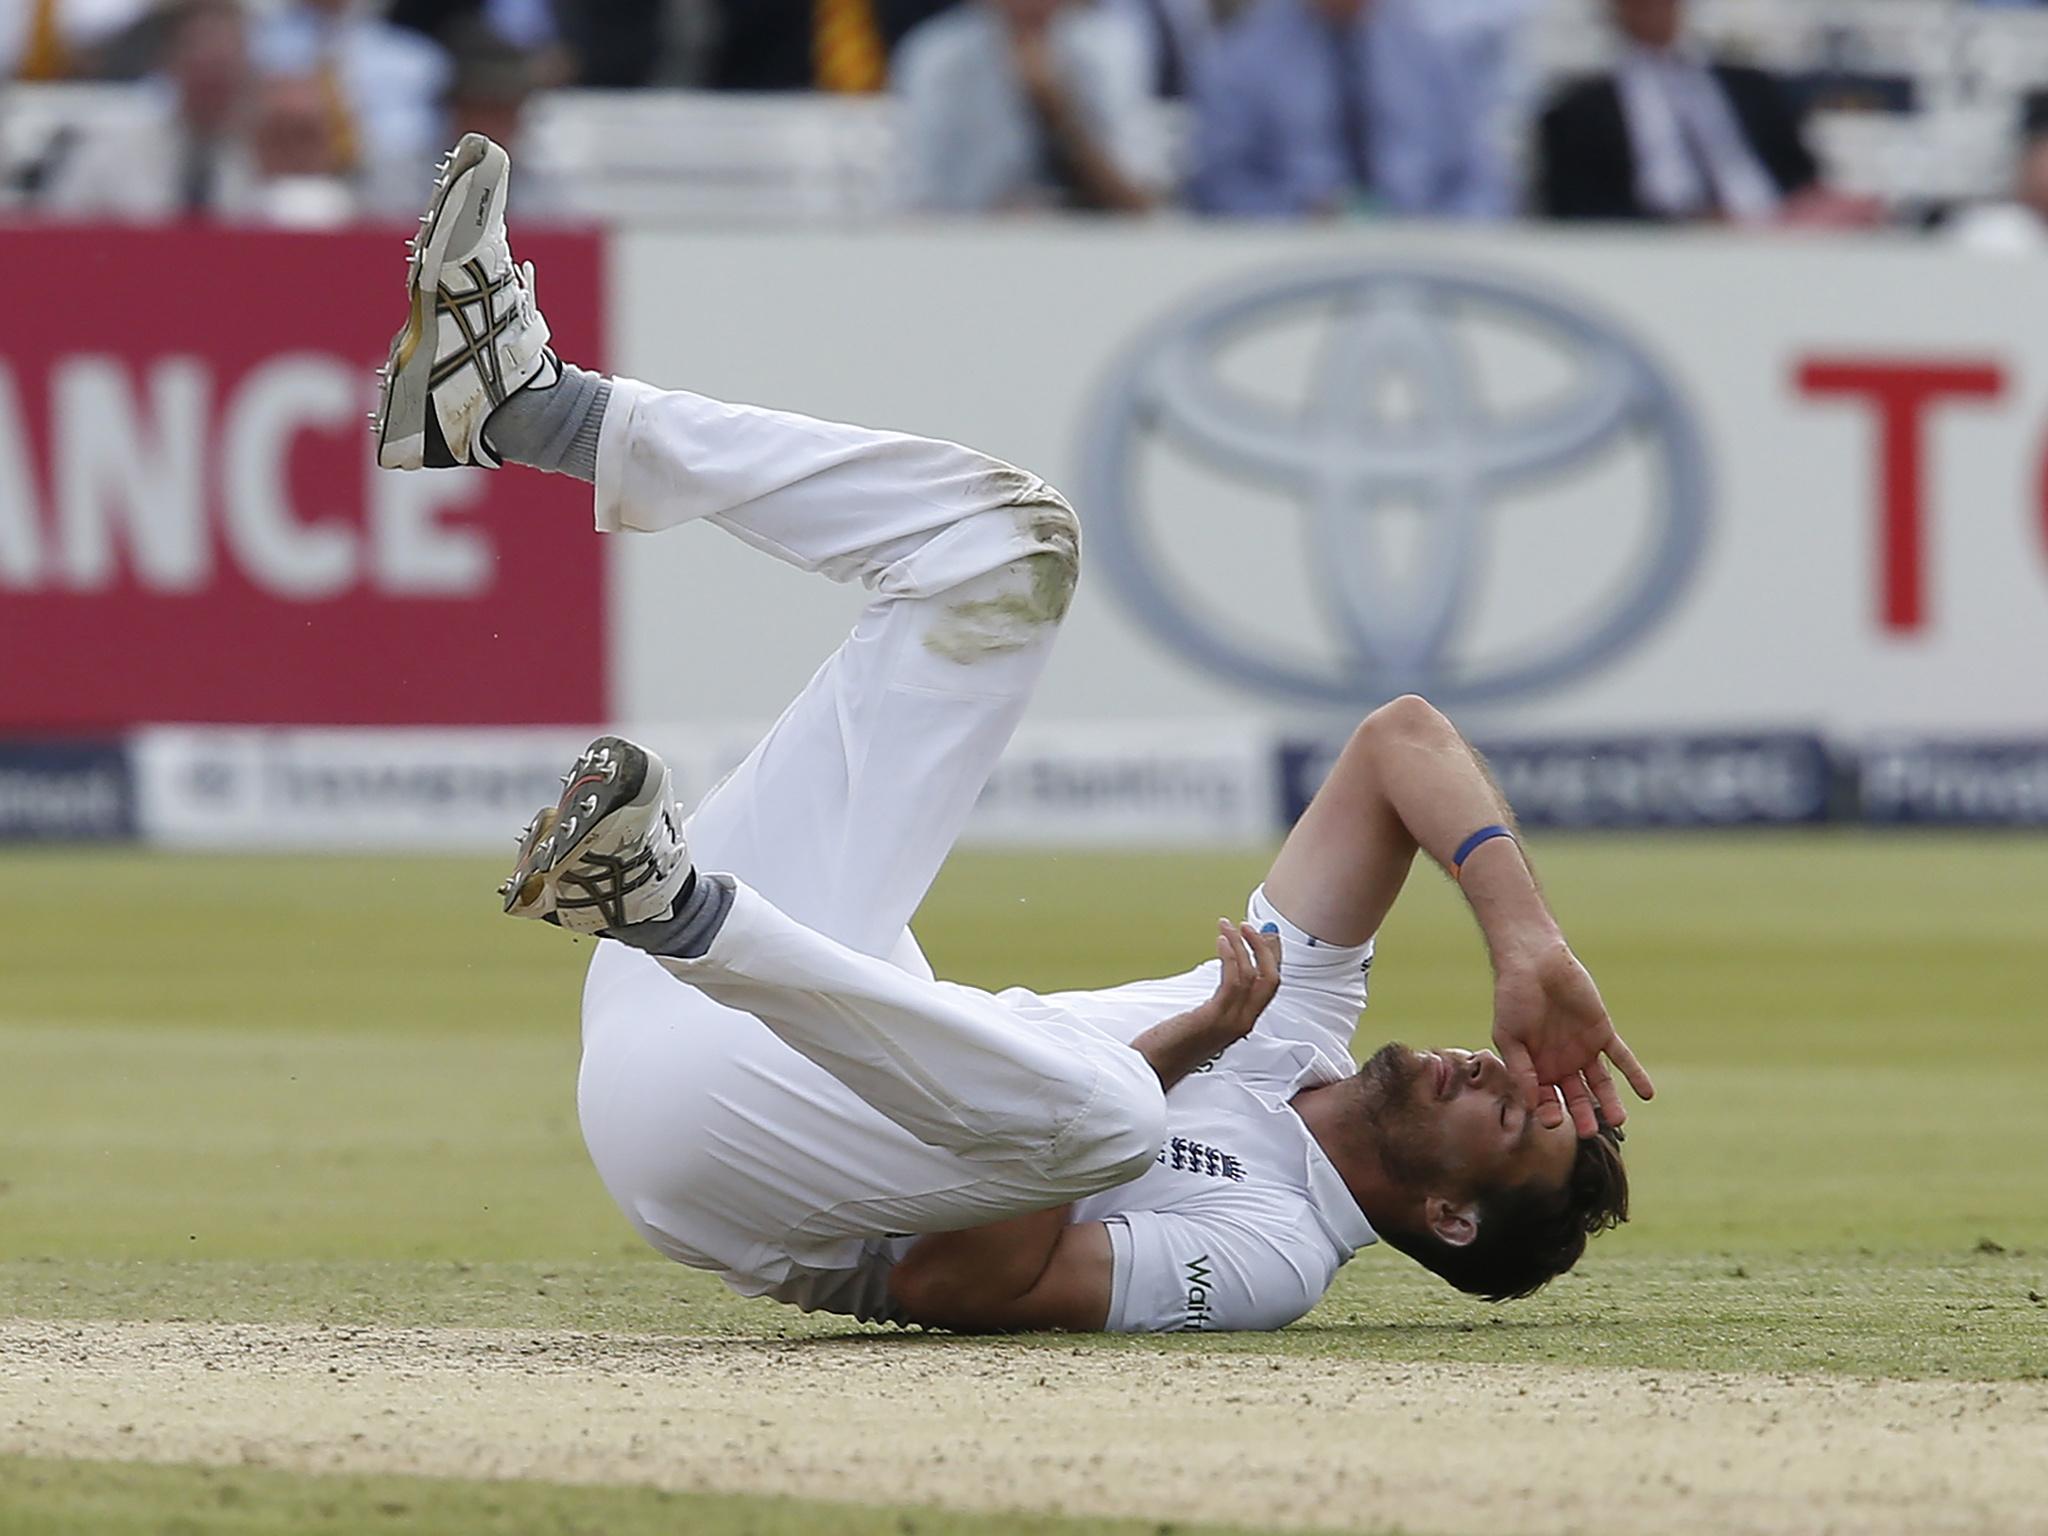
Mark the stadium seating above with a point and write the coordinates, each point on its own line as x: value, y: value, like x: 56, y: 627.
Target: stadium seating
x: 659, y: 156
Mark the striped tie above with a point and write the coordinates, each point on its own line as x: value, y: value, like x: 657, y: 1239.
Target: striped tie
x: 45, y: 57
x: 846, y: 46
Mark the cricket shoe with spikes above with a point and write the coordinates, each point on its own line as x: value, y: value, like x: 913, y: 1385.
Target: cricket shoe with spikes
x: 611, y: 850
x: 474, y: 336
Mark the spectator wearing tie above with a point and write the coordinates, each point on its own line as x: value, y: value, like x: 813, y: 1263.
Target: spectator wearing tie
x: 1015, y: 104
x: 1308, y: 107
x: 1674, y: 135
x: 192, y: 159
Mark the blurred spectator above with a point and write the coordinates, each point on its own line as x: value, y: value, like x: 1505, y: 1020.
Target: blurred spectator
x: 1012, y: 104
x: 1177, y: 37
x: 1489, y: 44
x: 616, y: 43
x: 528, y: 25
x: 1674, y: 134
x: 1312, y: 106
x: 494, y: 80
x: 60, y: 39
x: 799, y: 45
x: 301, y: 183
x: 194, y: 159
x: 2016, y: 225
x: 383, y: 85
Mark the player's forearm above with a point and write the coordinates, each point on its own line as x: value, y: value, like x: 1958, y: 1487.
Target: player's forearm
x: 1176, y: 1046
x: 1099, y: 179
x: 970, y: 1280
x: 1405, y: 781
x: 964, y: 1279
x: 1247, y: 978
x: 1439, y: 791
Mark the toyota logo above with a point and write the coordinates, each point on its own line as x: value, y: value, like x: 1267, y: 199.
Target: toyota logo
x: 1393, y: 330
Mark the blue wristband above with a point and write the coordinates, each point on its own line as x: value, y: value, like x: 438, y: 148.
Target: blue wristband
x: 1472, y: 843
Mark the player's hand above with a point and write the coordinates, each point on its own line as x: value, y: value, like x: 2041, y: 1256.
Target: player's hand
x: 1032, y: 57
x: 1247, y: 982
x: 1247, y: 979
x: 1553, y: 1032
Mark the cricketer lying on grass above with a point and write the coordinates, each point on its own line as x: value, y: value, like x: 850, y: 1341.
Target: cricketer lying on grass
x: 775, y: 1088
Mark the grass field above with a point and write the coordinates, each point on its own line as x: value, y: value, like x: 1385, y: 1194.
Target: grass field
x: 285, y: 1145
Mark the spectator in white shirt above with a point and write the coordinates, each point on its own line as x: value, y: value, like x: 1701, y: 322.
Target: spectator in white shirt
x: 2017, y: 224
x: 1014, y: 104
x: 1177, y: 35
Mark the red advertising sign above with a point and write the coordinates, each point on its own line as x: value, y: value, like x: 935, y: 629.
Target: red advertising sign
x: 191, y: 524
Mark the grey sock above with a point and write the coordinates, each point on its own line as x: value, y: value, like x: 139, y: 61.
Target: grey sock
x: 553, y: 427
x: 692, y: 923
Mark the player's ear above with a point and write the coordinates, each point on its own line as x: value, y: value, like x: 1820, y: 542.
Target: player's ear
x: 1455, y: 1224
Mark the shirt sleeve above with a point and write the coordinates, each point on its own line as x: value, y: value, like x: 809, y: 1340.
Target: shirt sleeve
x: 1176, y: 1273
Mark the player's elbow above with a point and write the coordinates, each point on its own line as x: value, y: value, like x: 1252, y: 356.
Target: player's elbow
x: 1409, y: 715
x: 1126, y: 1127
x: 939, y: 1292
x: 1408, y: 719
x: 918, y: 1289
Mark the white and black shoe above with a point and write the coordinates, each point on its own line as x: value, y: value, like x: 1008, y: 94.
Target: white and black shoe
x: 610, y: 853
x: 474, y: 336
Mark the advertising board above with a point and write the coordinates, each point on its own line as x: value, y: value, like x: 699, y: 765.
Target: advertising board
x: 191, y: 528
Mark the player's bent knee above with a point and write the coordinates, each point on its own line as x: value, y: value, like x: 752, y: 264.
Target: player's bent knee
x: 1125, y: 1128
x: 1055, y: 525
x: 1020, y: 598
x: 1055, y: 568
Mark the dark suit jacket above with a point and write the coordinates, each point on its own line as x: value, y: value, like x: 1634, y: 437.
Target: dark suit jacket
x: 765, y: 45
x: 1586, y: 165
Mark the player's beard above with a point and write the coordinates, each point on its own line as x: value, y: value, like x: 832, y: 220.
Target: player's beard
x: 1399, y: 1123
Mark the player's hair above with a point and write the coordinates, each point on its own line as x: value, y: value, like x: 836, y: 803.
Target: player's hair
x: 1527, y: 1236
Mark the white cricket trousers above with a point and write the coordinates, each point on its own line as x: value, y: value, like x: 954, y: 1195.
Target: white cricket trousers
x: 780, y: 1109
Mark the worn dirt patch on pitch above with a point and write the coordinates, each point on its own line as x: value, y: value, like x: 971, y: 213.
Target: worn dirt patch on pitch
x: 1173, y: 1434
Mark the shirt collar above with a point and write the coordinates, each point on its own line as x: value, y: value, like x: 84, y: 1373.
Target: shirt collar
x: 1683, y: 54
x: 1334, y: 1202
